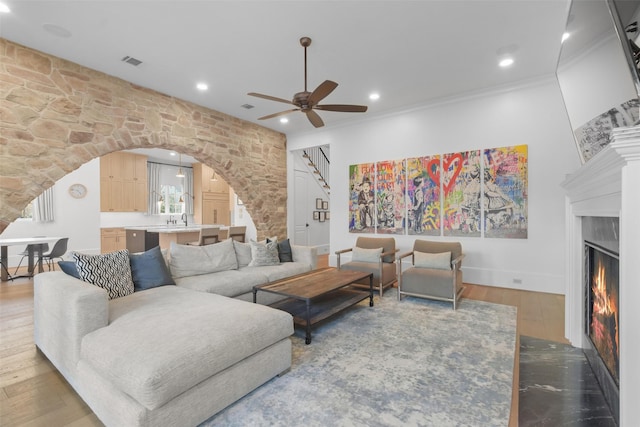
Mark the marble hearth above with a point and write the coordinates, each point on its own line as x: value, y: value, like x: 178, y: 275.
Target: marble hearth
x: 608, y: 185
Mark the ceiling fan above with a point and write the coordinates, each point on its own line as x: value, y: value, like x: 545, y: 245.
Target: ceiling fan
x: 307, y: 101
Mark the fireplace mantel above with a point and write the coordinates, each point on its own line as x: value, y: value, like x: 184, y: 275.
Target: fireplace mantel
x: 609, y: 185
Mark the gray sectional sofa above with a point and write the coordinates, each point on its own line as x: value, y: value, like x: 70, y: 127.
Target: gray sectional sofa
x: 169, y: 355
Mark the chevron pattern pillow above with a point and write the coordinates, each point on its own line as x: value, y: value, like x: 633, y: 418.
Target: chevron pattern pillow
x: 110, y: 271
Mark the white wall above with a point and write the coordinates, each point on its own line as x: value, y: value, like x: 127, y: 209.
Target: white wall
x: 532, y: 115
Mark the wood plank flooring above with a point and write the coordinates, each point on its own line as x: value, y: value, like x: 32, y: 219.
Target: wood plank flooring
x: 34, y: 394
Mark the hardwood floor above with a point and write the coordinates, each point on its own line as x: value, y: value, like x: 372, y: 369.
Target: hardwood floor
x: 33, y: 393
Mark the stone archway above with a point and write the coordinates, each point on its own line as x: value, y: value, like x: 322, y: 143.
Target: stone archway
x: 56, y: 115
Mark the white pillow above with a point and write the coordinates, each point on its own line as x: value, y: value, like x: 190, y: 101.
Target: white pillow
x: 366, y: 255
x: 243, y: 253
x: 188, y: 260
x: 439, y: 261
x: 264, y: 253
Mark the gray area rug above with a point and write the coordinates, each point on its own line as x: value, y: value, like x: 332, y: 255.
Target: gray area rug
x: 410, y: 363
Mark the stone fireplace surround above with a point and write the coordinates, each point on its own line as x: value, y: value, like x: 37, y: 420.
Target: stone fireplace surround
x: 609, y: 186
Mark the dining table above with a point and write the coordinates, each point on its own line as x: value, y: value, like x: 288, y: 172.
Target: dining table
x: 35, y: 247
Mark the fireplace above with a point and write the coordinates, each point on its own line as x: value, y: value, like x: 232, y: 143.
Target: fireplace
x: 607, y: 187
x: 602, y: 320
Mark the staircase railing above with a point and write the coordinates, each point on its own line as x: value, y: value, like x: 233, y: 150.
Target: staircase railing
x: 319, y: 162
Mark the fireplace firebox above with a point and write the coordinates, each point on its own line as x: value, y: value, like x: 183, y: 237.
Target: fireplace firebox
x: 602, y: 319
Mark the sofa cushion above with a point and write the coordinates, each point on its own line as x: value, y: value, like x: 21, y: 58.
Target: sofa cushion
x: 284, y: 251
x: 110, y: 271
x: 188, y: 260
x: 230, y: 283
x: 148, y: 270
x: 280, y: 271
x: 243, y: 253
x: 161, y: 342
x: 264, y: 253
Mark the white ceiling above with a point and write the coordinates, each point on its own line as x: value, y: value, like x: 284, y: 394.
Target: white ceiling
x: 411, y: 52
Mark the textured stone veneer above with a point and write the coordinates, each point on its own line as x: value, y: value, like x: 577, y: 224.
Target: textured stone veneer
x: 56, y: 115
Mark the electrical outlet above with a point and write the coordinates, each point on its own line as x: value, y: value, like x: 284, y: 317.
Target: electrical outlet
x: 517, y: 281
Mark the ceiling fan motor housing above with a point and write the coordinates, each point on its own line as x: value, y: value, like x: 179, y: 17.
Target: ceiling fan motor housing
x: 300, y: 99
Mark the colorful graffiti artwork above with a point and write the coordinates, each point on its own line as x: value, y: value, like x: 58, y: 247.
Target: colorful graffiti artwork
x: 461, y: 198
x: 423, y: 195
x: 390, y: 203
x: 505, y: 192
x: 361, y: 198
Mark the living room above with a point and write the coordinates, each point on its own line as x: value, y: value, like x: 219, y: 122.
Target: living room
x: 531, y: 112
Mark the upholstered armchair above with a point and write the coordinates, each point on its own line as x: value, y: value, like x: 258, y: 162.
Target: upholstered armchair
x: 372, y: 255
x: 435, y: 271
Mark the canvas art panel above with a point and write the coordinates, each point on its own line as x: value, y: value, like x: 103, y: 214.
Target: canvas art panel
x: 505, y: 192
x: 461, y: 194
x: 361, y: 198
x: 423, y: 195
x: 390, y: 200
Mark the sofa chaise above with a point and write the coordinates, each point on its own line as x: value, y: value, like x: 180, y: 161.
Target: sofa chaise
x: 169, y: 355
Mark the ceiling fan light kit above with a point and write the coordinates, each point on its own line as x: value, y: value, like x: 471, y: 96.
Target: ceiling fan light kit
x: 307, y: 101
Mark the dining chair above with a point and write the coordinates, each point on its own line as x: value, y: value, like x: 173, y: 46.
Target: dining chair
x: 238, y: 232
x: 208, y: 236
x: 224, y: 234
x: 25, y: 253
x: 58, y: 251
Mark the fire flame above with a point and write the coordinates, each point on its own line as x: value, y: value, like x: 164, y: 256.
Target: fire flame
x: 603, y: 305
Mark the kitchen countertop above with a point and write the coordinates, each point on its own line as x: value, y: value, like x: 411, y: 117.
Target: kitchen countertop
x: 173, y: 228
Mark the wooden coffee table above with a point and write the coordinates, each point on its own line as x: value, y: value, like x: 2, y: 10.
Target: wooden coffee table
x: 317, y: 295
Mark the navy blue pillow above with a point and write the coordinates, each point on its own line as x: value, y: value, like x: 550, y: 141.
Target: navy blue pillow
x: 284, y: 251
x: 149, y: 270
x: 69, y: 267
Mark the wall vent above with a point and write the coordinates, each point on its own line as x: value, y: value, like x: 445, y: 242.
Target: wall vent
x: 247, y: 106
x: 131, y: 60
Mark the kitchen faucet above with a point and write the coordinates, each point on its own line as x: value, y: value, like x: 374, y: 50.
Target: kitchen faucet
x: 184, y: 218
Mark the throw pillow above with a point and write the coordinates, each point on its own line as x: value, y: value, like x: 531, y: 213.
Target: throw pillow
x: 264, y: 253
x: 69, y: 267
x: 366, y: 255
x: 439, y: 261
x: 284, y: 251
x: 243, y: 253
x: 110, y: 271
x: 149, y: 270
x: 188, y: 260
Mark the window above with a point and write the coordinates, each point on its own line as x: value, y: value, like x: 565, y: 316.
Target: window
x: 170, y: 203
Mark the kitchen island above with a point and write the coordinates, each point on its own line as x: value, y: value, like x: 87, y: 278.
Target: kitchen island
x: 143, y: 238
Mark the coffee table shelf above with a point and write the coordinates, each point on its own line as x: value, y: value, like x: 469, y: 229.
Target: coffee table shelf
x: 323, y: 307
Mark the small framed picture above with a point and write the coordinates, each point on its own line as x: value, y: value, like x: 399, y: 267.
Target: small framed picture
x: 325, y: 205
x: 316, y: 215
x: 321, y: 214
x: 318, y: 203
x: 327, y: 215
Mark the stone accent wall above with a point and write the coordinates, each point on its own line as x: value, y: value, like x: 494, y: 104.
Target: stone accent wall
x: 56, y: 115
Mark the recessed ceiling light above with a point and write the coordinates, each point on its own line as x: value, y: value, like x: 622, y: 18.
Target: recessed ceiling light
x: 506, y: 62
x: 284, y: 120
x: 4, y: 8
x: 172, y: 153
x: 565, y: 36
x: 56, y: 30
x: 202, y: 86
x: 374, y: 96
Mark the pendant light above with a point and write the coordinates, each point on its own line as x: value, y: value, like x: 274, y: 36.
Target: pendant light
x: 180, y: 173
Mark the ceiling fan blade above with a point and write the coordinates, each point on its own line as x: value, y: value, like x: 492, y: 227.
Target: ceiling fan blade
x: 281, y: 113
x: 342, y: 108
x: 314, y: 118
x: 321, y: 92
x: 270, y: 98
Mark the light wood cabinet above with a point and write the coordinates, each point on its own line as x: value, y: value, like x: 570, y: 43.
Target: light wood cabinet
x: 123, y: 182
x: 112, y: 239
x: 211, y: 202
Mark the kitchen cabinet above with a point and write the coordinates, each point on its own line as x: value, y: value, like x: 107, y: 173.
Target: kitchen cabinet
x: 212, y: 199
x: 123, y: 182
x: 112, y: 239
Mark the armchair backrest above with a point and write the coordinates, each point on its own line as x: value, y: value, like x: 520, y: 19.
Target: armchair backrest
x: 388, y: 244
x: 438, y: 247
